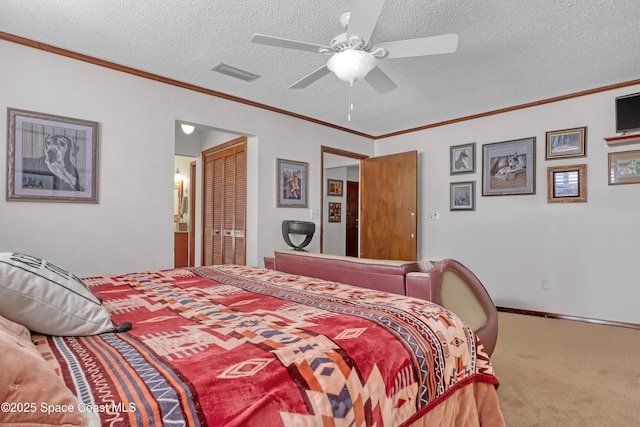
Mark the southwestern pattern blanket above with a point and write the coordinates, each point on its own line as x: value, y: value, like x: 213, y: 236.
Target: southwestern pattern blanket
x: 237, y: 345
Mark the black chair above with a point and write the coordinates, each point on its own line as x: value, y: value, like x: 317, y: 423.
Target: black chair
x: 298, y: 227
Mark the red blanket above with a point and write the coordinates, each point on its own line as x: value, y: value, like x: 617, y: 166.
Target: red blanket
x: 241, y: 346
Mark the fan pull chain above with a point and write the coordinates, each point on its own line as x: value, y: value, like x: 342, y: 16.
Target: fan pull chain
x: 350, y: 101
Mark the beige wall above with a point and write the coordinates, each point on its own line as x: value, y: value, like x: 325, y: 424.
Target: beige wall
x: 131, y: 228
x: 587, y: 251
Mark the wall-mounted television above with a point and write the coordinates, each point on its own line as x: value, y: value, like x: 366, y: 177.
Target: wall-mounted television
x: 628, y: 113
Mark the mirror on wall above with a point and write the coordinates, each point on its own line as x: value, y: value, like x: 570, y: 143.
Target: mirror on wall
x: 178, y: 194
x: 340, y: 200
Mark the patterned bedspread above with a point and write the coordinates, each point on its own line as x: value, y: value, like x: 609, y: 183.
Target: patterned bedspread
x: 242, y: 346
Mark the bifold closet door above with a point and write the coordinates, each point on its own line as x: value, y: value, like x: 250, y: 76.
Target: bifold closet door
x: 224, y: 203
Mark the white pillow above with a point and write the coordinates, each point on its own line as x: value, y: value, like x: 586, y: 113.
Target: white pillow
x: 48, y: 299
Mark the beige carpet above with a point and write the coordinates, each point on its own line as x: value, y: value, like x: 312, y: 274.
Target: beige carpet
x: 567, y: 373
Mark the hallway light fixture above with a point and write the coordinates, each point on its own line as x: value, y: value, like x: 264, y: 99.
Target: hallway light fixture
x: 188, y: 129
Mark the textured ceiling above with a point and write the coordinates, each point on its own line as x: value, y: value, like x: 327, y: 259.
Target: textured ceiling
x: 509, y: 52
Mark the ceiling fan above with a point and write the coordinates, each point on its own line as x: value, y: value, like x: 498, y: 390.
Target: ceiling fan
x: 353, y: 54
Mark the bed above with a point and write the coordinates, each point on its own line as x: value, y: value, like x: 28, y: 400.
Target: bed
x: 240, y: 346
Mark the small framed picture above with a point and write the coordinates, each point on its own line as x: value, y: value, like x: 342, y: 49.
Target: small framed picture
x: 624, y: 167
x: 335, y: 212
x: 509, y: 167
x: 463, y: 196
x: 334, y: 187
x: 566, y: 143
x: 567, y: 184
x: 292, y: 184
x: 462, y: 159
x: 51, y: 158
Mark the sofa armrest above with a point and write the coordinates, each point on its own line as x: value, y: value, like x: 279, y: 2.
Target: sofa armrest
x: 455, y: 287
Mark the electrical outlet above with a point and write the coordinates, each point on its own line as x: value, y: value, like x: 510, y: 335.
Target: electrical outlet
x: 434, y: 215
x: 545, y: 284
x: 315, y: 213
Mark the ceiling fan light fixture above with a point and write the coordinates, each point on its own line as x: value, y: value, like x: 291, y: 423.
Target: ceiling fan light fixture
x: 350, y: 64
x: 188, y: 129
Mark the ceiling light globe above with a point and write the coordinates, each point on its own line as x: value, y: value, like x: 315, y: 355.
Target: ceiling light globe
x: 350, y: 65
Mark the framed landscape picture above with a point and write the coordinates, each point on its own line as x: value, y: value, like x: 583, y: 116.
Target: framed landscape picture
x: 567, y: 184
x: 462, y: 159
x: 292, y: 183
x: 51, y: 158
x: 508, y: 167
x: 566, y: 143
x: 624, y: 167
x: 462, y: 196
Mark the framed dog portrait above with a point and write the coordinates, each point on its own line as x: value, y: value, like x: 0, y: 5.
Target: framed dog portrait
x: 566, y: 143
x: 624, y: 167
x: 462, y: 196
x: 462, y: 159
x: 567, y: 184
x: 292, y: 183
x: 509, y: 167
x: 51, y: 158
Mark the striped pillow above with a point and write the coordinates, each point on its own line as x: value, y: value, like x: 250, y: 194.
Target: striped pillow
x: 48, y: 299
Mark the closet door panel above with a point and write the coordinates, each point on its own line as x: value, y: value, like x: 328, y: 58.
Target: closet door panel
x: 224, y: 203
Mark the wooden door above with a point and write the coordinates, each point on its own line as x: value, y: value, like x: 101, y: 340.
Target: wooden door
x: 353, y: 199
x: 388, y: 207
x: 224, y: 203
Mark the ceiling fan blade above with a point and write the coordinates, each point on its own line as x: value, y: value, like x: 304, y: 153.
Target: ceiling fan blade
x: 380, y: 81
x: 446, y: 43
x: 288, y: 44
x: 310, y: 78
x: 364, y: 15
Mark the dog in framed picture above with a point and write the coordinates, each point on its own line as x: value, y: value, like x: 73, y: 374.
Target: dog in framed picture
x: 631, y: 168
x: 57, y: 161
x: 462, y: 161
x: 515, y: 163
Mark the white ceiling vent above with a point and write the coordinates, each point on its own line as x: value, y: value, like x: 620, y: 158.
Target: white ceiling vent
x: 235, y: 72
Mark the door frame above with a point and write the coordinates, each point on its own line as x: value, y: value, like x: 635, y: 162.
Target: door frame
x: 338, y: 152
x: 192, y: 214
